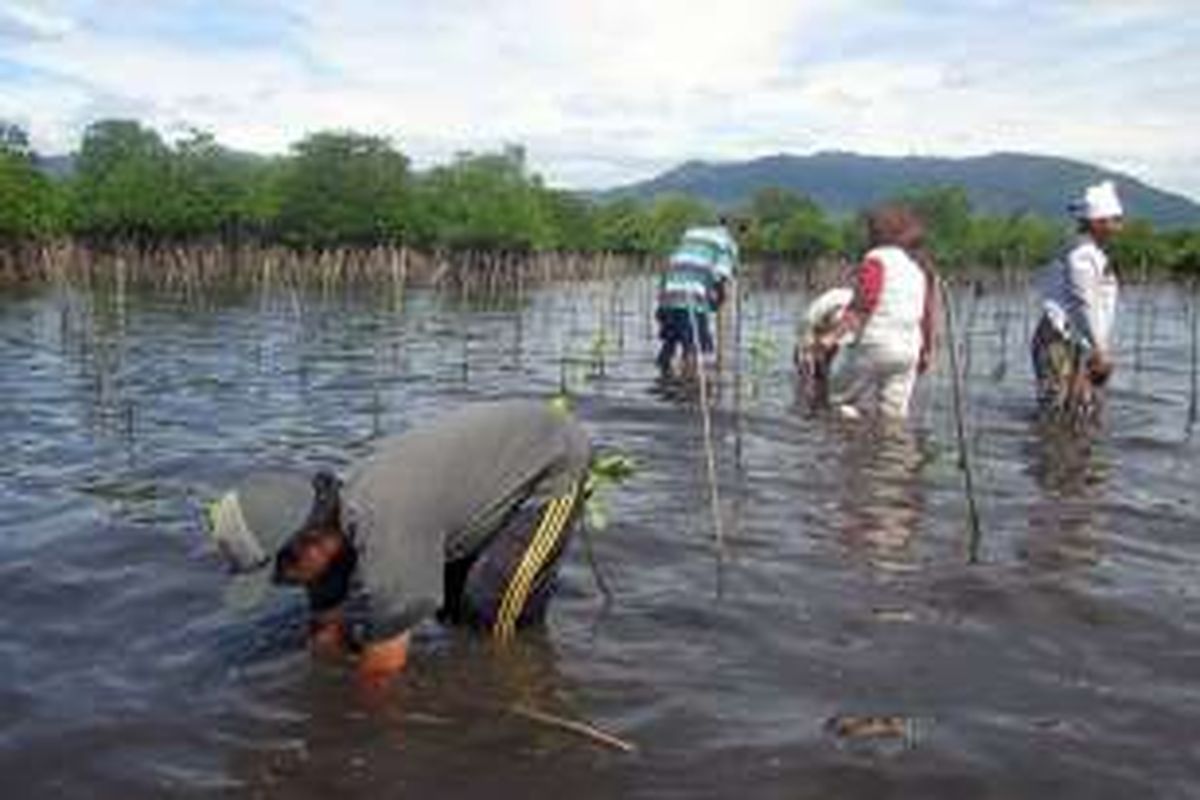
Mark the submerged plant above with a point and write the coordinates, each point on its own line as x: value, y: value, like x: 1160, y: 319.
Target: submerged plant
x: 598, y: 351
x: 763, y: 350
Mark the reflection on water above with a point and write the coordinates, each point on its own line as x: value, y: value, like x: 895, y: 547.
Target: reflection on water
x: 459, y: 718
x: 881, y: 494
x: 1065, y: 517
x: 1064, y: 665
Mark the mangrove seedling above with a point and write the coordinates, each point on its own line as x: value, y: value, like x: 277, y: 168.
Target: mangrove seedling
x: 605, y: 471
x: 598, y: 350
x: 763, y: 351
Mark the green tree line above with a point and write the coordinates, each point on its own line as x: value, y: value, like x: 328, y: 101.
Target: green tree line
x: 130, y: 185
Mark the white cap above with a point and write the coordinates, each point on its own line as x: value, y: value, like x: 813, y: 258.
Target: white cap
x: 249, y: 525
x: 1098, y: 202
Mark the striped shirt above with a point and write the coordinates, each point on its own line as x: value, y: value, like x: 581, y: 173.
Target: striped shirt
x: 687, y: 286
x: 712, y: 248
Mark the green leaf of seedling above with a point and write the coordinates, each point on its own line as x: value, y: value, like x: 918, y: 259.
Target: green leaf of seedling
x: 605, y: 471
x: 561, y: 404
x: 599, y: 344
x: 612, y: 468
x: 210, y: 515
x: 596, y: 513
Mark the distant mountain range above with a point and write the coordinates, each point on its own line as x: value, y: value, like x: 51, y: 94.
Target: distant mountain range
x: 1002, y: 183
x: 843, y: 183
x: 56, y: 166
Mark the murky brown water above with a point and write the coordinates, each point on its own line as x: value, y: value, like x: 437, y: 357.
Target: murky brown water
x: 1065, y: 664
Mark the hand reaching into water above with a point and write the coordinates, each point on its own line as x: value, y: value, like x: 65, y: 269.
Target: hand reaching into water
x: 924, y: 360
x: 327, y: 636
x: 380, y: 661
x: 1099, y: 368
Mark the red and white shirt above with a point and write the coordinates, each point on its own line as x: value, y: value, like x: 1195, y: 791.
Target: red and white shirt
x: 892, y: 293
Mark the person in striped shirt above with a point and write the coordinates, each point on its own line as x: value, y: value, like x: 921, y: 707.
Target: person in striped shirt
x: 691, y: 290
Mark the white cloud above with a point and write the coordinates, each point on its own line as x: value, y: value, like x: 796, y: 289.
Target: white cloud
x: 603, y: 92
x: 30, y: 21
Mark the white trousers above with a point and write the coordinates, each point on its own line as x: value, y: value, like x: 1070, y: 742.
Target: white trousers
x: 868, y: 380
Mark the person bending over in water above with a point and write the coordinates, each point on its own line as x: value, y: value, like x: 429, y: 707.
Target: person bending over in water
x: 889, y: 323
x: 814, y: 353
x: 465, y: 521
x: 692, y: 290
x: 1071, y: 348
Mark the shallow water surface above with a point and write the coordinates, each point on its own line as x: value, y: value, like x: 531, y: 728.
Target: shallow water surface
x: 844, y: 648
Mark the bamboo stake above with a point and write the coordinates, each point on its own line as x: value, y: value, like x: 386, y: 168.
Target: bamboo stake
x: 394, y: 261
x: 710, y: 455
x: 190, y: 269
x: 737, y: 374
x: 1192, y: 405
x: 1001, y: 368
x: 1139, y: 337
x: 960, y: 428
x: 575, y: 726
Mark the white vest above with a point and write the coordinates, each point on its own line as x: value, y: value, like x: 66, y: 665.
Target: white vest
x: 894, y: 328
x: 1079, y: 294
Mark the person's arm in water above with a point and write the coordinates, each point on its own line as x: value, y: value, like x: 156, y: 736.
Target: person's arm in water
x: 717, y: 294
x: 382, y: 660
x: 312, y: 560
x: 1083, y: 274
x: 658, y: 305
x: 377, y: 662
x: 327, y: 634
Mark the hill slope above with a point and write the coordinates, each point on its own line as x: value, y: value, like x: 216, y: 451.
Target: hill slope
x: 846, y: 182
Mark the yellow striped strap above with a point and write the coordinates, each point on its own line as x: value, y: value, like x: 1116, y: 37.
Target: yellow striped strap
x: 554, y: 519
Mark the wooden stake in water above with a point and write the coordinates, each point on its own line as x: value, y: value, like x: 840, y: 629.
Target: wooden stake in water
x: 964, y: 462
x: 710, y: 454
x: 1192, y: 407
x: 737, y: 374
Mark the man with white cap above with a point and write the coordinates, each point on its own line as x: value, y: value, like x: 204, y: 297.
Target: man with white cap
x: 1072, y: 344
x: 464, y: 520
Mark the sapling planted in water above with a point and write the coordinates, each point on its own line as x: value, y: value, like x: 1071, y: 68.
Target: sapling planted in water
x: 598, y: 350
x: 763, y: 350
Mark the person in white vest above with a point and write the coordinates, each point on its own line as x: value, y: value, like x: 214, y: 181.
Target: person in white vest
x: 1072, y: 344
x: 885, y: 335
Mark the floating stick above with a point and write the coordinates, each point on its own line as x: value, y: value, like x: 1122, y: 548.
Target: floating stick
x: 575, y: 726
x: 964, y: 462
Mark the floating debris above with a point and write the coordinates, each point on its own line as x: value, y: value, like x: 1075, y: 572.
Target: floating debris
x: 874, y: 733
x: 575, y: 726
x: 893, y: 614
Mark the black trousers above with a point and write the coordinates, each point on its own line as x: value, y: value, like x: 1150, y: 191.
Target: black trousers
x: 507, y: 583
x: 681, y: 328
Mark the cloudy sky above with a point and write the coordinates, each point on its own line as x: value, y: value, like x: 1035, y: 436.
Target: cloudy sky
x: 608, y: 91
